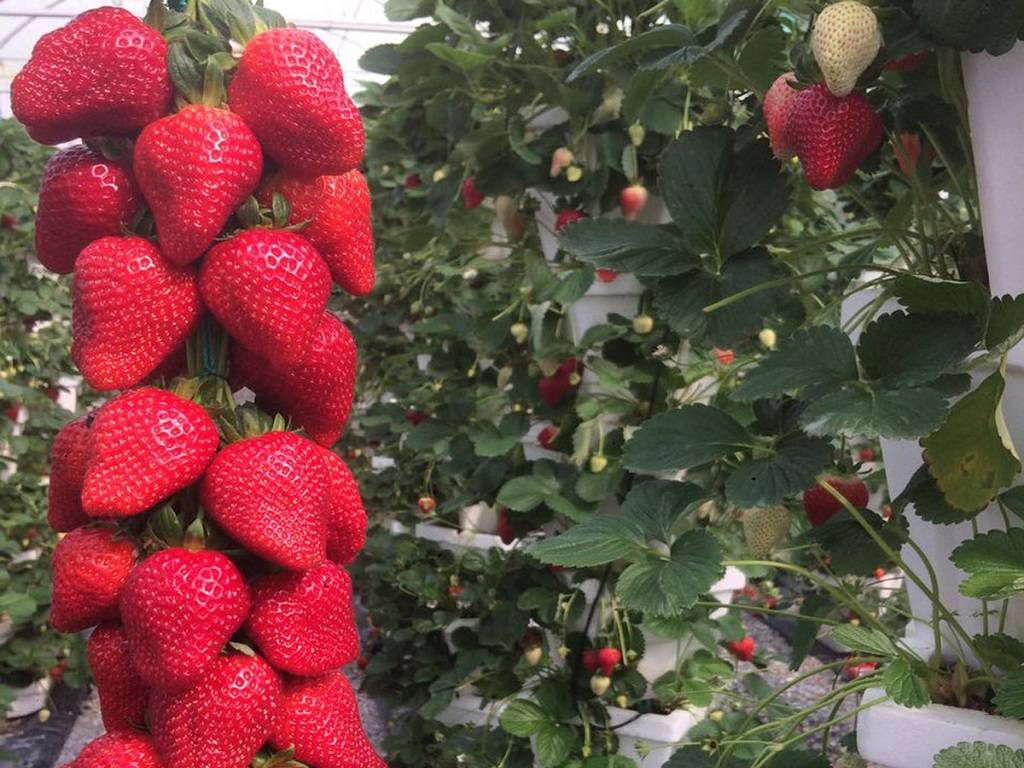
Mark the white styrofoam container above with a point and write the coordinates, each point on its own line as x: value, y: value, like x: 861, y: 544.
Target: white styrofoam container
x: 620, y: 297
x: 30, y: 699
x: 650, y: 740
x: 892, y: 736
x: 461, y: 541
x: 479, y: 518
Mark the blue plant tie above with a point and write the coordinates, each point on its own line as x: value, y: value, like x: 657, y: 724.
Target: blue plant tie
x: 209, y: 349
x: 177, y: 5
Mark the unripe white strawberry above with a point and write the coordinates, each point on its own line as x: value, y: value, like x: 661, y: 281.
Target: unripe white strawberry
x: 768, y: 338
x: 600, y: 684
x: 561, y: 159
x: 765, y: 528
x: 845, y: 40
x: 633, y: 199
x: 511, y: 219
x: 777, y: 103
x: 643, y: 324
x: 637, y: 134
x: 519, y: 332
x: 622, y: 701
x: 533, y: 655
x: 574, y: 174
x: 598, y: 464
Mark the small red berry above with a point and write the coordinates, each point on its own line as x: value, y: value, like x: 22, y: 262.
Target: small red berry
x: 567, y: 217
x: 743, y: 649
x: 606, y: 275
x: 426, y: 504
x: 547, y: 436
x: 471, y: 196
x: 608, y: 659
x: 725, y: 356
x: 413, y: 180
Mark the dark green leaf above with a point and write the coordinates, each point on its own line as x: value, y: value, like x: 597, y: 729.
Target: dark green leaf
x: 656, y: 506
x: 904, y: 350
x: 797, y: 461
x: 975, y: 25
x: 1005, y: 325
x: 862, y: 411
x: 853, y: 551
x: 524, y: 718
x: 554, y: 744
x: 528, y: 492
x: 1000, y: 650
x: 599, y: 540
x: 682, y: 439
x: 663, y: 587
x: 930, y: 295
x: 818, y: 357
x: 663, y: 36
x: 382, y: 59
x: 1009, y: 699
x: 625, y: 246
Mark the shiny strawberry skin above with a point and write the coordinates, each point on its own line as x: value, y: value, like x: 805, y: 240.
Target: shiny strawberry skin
x: 119, y: 749
x: 289, y: 87
x: 303, y: 622
x: 346, y: 517
x: 147, y: 444
x: 68, y: 456
x: 319, y: 717
x: 268, y: 494
x: 269, y: 289
x: 90, y: 568
x: 820, y: 505
x: 337, y: 209
x: 832, y: 136
x: 195, y: 168
x: 179, y: 609
x: 131, y: 308
x: 83, y: 196
x: 316, y: 395
x: 221, y: 722
x: 123, y: 694
x: 778, y: 102
x: 103, y: 74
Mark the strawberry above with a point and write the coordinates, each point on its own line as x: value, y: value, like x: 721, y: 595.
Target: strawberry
x: 103, y: 74
x: 506, y: 532
x: 845, y: 40
x: 194, y: 169
x: 223, y: 720
x: 8, y: 222
x: 123, y: 694
x: 608, y: 659
x: 633, y: 200
x: 413, y: 181
x: 590, y: 660
x: 67, y: 472
x: 778, y: 102
x: 289, y: 87
x: 743, y: 649
x: 547, y: 436
x: 303, y: 622
x: 269, y: 289
x: 567, y: 217
x: 147, y: 444
x: 90, y: 567
x: 866, y: 454
x: 833, y: 136
x: 426, y: 504
x: 337, y: 212
x: 268, y: 494
x: 907, y: 148
x: 863, y: 669
x: 606, y: 275
x: 599, y: 684
x: 472, y: 197
x: 317, y: 395
x: 319, y: 717
x: 179, y: 609
x: 561, y: 158
x: 724, y: 356
x: 820, y: 505
x: 131, y: 309
x: 118, y: 749
x: 906, y: 63
x: 765, y: 528
x: 552, y: 389
x: 83, y: 196
x: 414, y: 417
x: 346, y: 518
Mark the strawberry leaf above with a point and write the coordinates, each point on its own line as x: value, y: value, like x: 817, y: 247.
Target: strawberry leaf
x: 876, y: 412
x: 908, y: 350
x: 524, y: 718
x: 790, y: 469
x: 980, y: 755
x: 684, y: 439
x: 994, y: 562
x: 818, y: 357
x: 641, y: 249
x: 663, y: 587
x: 973, y: 25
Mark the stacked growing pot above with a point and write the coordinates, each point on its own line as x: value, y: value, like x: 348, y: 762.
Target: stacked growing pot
x: 205, y: 541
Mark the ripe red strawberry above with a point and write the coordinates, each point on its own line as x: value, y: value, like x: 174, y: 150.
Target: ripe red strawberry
x: 147, y: 444
x: 269, y: 289
x: 90, y: 567
x: 303, y: 622
x: 195, y: 168
x: 83, y: 196
x: 820, y: 505
x: 832, y: 136
x: 131, y: 309
x: 319, y: 717
x: 552, y: 389
x: 103, y: 74
x: 346, y: 517
x: 547, y: 436
x: 179, y: 608
x: 778, y: 102
x: 412, y: 181
x: 633, y: 200
x: 67, y: 472
x: 221, y: 722
x: 590, y: 660
x: 907, y: 148
x: 471, y: 196
x: 268, y: 494
x: 316, y: 395
x: 606, y: 275
x: 337, y: 209
x: 426, y: 504
x: 119, y: 749
x: 863, y: 669
x: 506, y: 532
x: 414, y: 417
x: 8, y: 222
x: 608, y: 659
x: 724, y: 356
x: 289, y: 87
x: 906, y: 63
x: 123, y: 694
x: 743, y: 649
x: 567, y: 217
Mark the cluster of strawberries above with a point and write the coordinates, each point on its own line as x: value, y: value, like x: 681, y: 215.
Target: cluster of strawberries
x: 831, y: 126
x: 209, y: 558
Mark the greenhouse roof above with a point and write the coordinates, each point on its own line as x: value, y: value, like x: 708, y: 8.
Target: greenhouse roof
x: 350, y: 27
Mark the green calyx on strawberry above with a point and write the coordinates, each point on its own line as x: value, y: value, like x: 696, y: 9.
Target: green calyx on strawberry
x: 103, y: 74
x: 820, y: 505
